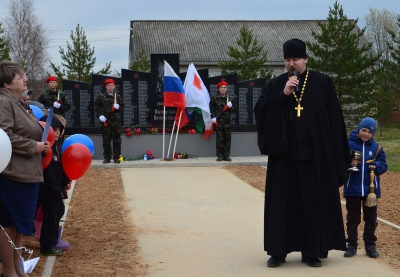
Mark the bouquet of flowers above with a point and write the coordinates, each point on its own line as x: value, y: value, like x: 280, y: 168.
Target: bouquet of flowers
x: 137, y: 131
x: 181, y: 155
x: 152, y: 130
x: 122, y: 158
x: 149, y: 155
x: 128, y: 132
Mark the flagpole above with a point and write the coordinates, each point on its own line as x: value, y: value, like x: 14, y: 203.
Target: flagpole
x: 172, y: 134
x: 170, y: 139
x: 177, y: 131
x: 163, y: 138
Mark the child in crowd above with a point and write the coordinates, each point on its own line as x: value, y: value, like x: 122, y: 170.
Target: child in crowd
x: 51, y: 198
x: 357, y: 187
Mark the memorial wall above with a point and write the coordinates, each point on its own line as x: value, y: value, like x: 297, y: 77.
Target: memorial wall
x: 142, y: 94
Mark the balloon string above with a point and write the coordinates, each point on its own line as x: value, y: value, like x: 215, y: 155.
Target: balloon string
x: 15, y: 247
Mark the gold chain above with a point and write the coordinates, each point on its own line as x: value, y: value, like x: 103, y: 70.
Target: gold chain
x: 302, y: 90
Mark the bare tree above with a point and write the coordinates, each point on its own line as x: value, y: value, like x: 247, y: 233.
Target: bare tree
x: 25, y: 35
x: 378, y: 23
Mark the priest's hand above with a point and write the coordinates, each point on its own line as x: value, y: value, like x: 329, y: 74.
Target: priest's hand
x: 290, y: 85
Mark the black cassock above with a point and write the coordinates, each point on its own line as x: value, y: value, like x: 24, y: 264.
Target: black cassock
x: 307, y: 162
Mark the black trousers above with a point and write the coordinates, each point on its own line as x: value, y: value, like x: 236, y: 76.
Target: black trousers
x: 370, y: 215
x: 53, y: 210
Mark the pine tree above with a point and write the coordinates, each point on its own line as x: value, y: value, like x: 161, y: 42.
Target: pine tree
x: 4, y: 46
x: 140, y: 62
x: 248, y: 57
x: 342, y: 51
x: 79, y: 59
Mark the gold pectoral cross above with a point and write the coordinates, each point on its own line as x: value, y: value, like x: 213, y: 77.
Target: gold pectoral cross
x: 298, y: 109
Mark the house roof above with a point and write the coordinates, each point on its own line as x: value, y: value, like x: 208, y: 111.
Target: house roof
x: 207, y: 41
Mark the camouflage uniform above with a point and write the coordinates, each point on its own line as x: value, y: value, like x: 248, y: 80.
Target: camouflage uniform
x: 223, y: 129
x: 103, y: 106
x: 49, y: 97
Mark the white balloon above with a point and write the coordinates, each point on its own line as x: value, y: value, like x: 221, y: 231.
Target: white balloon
x: 5, y: 150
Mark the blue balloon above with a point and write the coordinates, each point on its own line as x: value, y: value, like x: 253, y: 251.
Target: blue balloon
x: 78, y: 138
x: 37, y: 112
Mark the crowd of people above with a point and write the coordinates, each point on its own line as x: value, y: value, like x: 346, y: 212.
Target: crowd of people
x: 300, y: 126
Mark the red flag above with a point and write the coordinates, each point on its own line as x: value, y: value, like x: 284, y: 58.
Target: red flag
x: 186, y: 117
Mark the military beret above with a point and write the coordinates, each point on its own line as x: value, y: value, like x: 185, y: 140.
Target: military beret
x: 51, y: 78
x: 109, y: 81
x: 223, y: 83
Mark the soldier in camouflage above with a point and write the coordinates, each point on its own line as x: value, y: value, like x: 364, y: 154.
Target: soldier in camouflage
x: 221, y: 111
x: 54, y: 98
x: 108, y: 107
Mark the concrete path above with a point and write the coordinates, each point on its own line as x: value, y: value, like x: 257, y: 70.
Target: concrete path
x: 204, y: 221
x: 196, y: 161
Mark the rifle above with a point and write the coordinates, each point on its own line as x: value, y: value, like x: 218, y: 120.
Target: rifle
x: 111, y: 110
x: 224, y: 108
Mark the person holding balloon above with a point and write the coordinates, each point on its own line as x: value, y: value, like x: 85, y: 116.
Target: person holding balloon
x: 60, y: 142
x: 55, y: 98
x: 108, y: 108
x: 51, y: 198
x: 22, y: 171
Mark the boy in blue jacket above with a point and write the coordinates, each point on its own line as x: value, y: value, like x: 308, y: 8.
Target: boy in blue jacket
x: 357, y: 188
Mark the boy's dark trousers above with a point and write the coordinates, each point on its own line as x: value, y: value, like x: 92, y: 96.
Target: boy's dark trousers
x: 53, y: 210
x: 353, y: 206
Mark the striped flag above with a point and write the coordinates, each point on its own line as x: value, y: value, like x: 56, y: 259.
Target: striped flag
x: 174, y: 95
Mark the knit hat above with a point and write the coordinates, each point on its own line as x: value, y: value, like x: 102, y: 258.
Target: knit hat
x: 51, y: 78
x: 222, y: 83
x: 368, y: 123
x: 294, y: 48
x: 55, y: 122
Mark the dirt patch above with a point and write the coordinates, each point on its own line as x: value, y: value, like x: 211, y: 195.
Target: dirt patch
x: 103, y: 239
x: 99, y: 229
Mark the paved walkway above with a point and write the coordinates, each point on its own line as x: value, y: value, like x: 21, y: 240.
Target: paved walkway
x: 204, y: 221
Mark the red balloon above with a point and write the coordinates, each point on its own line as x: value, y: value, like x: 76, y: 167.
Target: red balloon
x: 76, y: 160
x: 50, y: 137
x: 47, y: 158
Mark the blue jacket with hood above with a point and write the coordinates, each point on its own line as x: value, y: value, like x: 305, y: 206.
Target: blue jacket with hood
x: 358, y: 182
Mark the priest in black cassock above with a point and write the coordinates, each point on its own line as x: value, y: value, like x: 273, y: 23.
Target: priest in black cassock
x: 301, y: 128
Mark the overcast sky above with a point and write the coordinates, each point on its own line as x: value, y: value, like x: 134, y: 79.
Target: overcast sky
x: 106, y: 23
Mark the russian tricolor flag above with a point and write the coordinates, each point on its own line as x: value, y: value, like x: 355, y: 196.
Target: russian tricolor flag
x: 174, y: 95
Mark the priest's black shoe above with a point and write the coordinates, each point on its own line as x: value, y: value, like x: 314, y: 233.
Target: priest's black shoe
x: 106, y: 161
x: 313, y: 262
x: 275, y: 261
